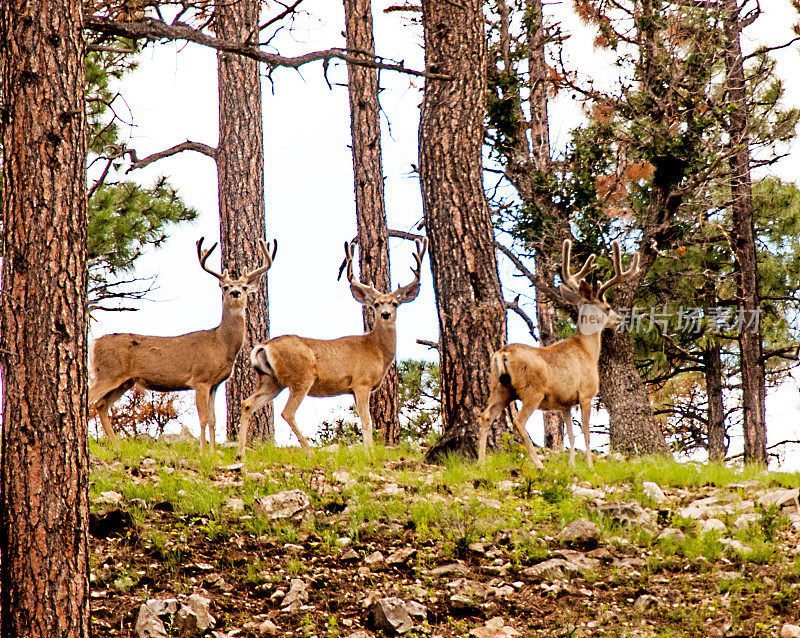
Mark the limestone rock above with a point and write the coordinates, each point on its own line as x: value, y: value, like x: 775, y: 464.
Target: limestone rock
x: 711, y: 525
x: 375, y: 560
x: 390, y: 616
x: 645, y: 602
x: 298, y: 594
x: 148, y: 624
x: 790, y: 631
x: 671, y: 534
x: 580, y: 533
x: 288, y: 504
x: 401, y: 556
x: 654, y: 491
x: 779, y: 498
x: 450, y: 569
x: 201, y: 607
x: 627, y: 513
x: 494, y: 628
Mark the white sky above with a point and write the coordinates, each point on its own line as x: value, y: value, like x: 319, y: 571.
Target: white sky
x: 172, y: 97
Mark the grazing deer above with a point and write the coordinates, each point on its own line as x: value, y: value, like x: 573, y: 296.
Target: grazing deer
x: 326, y: 368
x: 563, y: 375
x: 197, y: 361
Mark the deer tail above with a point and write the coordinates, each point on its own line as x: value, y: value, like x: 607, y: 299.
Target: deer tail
x: 500, y: 368
x: 259, y: 359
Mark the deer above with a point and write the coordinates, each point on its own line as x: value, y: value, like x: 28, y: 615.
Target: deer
x: 198, y: 361
x: 563, y: 375
x: 325, y: 368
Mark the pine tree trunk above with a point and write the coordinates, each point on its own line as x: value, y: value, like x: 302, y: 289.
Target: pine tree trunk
x: 712, y: 362
x: 750, y: 341
x: 240, y: 178
x: 632, y: 428
x: 461, y: 242
x: 548, y: 335
x: 44, y: 574
x: 373, y: 233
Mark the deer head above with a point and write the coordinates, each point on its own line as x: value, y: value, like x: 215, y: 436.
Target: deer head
x: 235, y: 291
x: 577, y: 291
x: 385, y: 304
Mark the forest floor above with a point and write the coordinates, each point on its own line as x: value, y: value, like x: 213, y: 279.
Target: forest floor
x: 391, y: 545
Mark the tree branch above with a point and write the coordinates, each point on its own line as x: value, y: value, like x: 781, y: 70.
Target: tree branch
x: 199, y: 147
x: 152, y: 29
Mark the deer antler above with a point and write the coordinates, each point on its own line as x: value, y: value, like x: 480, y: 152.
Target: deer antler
x: 367, y: 288
x: 267, y: 261
x: 203, y: 254
x: 404, y: 292
x: 570, y: 280
x: 619, y: 274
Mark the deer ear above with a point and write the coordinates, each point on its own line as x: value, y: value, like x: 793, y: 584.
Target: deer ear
x: 407, y: 293
x: 570, y: 296
x: 362, y: 295
x: 585, y: 290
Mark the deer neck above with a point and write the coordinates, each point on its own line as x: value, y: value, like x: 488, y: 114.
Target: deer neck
x: 591, y: 343
x: 230, y: 332
x: 384, y: 336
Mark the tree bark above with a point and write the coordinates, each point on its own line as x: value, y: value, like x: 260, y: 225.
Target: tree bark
x: 44, y: 574
x: 750, y: 340
x: 373, y: 233
x: 712, y: 362
x: 461, y: 242
x: 240, y: 178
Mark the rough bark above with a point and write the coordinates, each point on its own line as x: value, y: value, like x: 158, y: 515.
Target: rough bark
x: 743, y: 235
x: 548, y: 335
x: 373, y: 233
x: 632, y: 428
x: 461, y: 242
x: 712, y: 362
x: 240, y: 178
x: 44, y: 574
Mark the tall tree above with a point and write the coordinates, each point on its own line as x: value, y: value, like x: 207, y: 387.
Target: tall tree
x: 461, y: 241
x: 373, y: 233
x: 743, y: 235
x: 240, y: 178
x: 44, y: 573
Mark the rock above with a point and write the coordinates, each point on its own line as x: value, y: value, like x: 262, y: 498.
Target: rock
x: 164, y: 607
x: 586, y: 492
x: 375, y: 560
x: 417, y: 610
x: 109, y: 498
x: 779, y: 498
x: 578, y: 561
x: 790, y: 631
x: 297, y: 596
x: 551, y: 569
x: 288, y: 504
x: 645, y: 602
x: 711, y: 525
x: 401, y: 556
x: 626, y: 513
x: 698, y: 508
x: 671, y: 534
x: 745, y: 521
x: 390, y: 616
x: 654, y: 491
x: 506, y: 486
x: 580, y: 533
x: 477, y: 548
x: 361, y: 633
x: 450, y: 569
x: 268, y: 628
x: 349, y: 556
x: 148, y: 624
x: 391, y: 489
x: 201, y: 607
x: 494, y: 628
x: 235, y: 504
x: 736, y: 546
x: 468, y: 595
x: 186, y: 623
x: 602, y: 554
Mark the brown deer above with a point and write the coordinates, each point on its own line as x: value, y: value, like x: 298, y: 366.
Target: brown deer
x: 563, y: 375
x: 197, y: 361
x: 326, y: 368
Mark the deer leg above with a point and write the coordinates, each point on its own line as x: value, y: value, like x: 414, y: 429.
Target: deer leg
x: 362, y: 407
x: 266, y: 390
x: 520, y: 420
x: 296, y: 396
x: 498, y: 400
x: 103, y: 402
x: 566, y: 419
x: 212, y: 420
x: 586, y: 411
x: 201, y: 399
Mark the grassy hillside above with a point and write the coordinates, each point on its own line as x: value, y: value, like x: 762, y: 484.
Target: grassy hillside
x: 466, y: 550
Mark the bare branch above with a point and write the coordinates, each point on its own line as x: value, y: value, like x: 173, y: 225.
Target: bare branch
x: 199, y: 147
x: 152, y: 29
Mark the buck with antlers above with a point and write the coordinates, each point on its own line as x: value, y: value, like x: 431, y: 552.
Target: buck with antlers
x: 563, y: 375
x: 197, y: 361
x: 325, y: 368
